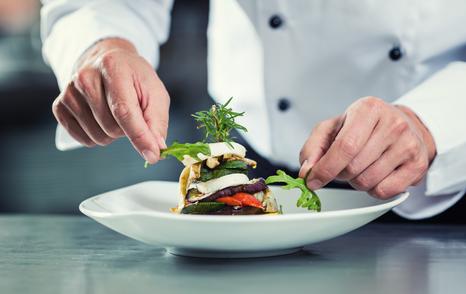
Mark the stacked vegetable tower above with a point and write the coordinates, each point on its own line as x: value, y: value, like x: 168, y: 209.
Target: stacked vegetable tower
x: 218, y: 183
x: 215, y: 177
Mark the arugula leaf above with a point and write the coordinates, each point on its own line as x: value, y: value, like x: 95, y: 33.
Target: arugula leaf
x: 308, y: 198
x: 179, y: 150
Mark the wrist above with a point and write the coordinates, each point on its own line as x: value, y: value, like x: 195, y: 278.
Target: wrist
x: 102, y: 47
x: 426, y: 135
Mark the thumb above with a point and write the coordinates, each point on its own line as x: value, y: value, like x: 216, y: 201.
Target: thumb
x: 317, y: 144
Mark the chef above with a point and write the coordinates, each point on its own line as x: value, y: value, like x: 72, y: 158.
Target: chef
x: 369, y: 92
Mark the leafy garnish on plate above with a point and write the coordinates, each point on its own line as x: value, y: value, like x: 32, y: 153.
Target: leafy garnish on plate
x: 308, y: 198
x: 218, y: 122
x: 180, y: 150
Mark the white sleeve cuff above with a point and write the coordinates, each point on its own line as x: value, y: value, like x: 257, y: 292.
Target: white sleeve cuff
x: 418, y: 206
x: 439, y: 103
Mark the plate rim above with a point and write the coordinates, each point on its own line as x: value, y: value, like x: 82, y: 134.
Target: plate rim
x: 400, y: 198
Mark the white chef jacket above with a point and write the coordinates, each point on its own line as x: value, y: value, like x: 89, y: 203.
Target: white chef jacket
x: 291, y: 64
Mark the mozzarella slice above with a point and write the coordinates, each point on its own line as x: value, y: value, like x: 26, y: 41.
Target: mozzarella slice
x: 217, y: 184
x: 217, y: 149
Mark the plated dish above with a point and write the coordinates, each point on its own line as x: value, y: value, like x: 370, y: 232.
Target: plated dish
x: 142, y: 212
x: 215, y: 179
x: 216, y: 210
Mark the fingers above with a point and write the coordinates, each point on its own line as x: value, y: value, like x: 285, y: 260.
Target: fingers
x: 66, y: 119
x: 125, y: 108
x: 386, y: 133
x: 360, y: 121
x: 155, y: 108
x: 89, y: 84
x: 400, y: 179
x: 317, y: 144
x: 395, y: 156
x: 77, y: 106
x: 115, y: 93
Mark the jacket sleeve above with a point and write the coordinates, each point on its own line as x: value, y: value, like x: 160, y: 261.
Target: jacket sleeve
x: 440, y: 103
x: 70, y: 27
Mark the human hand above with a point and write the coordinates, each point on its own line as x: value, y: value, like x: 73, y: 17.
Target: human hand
x: 375, y: 146
x: 114, y: 93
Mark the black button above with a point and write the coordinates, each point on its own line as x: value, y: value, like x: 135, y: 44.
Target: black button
x: 275, y: 21
x: 283, y: 104
x: 395, y: 54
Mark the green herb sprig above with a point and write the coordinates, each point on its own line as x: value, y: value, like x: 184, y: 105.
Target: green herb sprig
x: 218, y: 122
x: 308, y: 198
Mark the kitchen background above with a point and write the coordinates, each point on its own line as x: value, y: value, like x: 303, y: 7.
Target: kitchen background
x: 37, y: 178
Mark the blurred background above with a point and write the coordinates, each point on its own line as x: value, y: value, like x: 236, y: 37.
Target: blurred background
x: 37, y: 178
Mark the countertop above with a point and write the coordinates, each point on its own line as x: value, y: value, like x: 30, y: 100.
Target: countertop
x: 72, y: 254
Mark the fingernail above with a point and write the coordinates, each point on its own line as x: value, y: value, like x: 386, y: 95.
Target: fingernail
x: 314, y: 184
x: 303, y: 169
x: 149, y: 156
x: 162, y: 143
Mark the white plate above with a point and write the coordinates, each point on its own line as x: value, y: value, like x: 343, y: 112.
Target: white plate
x: 142, y: 212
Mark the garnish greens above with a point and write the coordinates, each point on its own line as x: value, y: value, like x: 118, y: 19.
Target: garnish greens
x: 179, y: 150
x: 308, y: 198
x: 218, y: 122
x: 223, y: 169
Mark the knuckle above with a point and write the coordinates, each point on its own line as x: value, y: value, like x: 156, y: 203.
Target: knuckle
x: 138, y: 137
x: 352, y: 169
x: 372, y: 102
x: 56, y: 107
x: 109, y: 60
x: 380, y: 192
x: 400, y: 125
x: 361, y: 183
x: 84, y: 79
x: 412, y: 148
x: 114, y: 131
x: 348, y: 146
x: 121, y: 111
x: 103, y: 140
x: 421, y: 166
x: 67, y: 98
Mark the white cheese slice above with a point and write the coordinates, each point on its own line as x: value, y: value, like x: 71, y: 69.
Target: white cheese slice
x: 217, y: 149
x: 217, y: 184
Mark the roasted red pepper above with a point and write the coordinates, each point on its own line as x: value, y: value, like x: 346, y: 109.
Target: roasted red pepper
x: 230, y: 201
x: 247, y: 200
